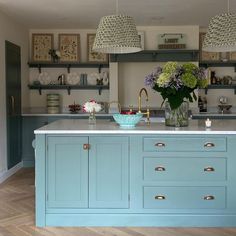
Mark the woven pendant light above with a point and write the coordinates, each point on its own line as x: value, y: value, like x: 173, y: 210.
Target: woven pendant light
x: 221, y: 34
x: 117, y: 34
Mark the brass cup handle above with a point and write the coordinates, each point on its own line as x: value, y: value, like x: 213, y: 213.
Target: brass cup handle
x: 209, y: 197
x: 209, y: 144
x: 209, y: 169
x: 160, y: 145
x: 12, y: 104
x: 86, y: 146
x: 160, y: 168
x: 160, y: 197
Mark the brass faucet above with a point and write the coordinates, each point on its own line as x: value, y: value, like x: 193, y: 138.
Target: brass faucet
x: 116, y: 102
x: 147, y: 113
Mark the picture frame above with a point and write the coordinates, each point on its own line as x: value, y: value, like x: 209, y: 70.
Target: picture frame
x: 232, y: 56
x: 69, y: 47
x: 141, y: 38
x: 92, y: 56
x: 207, y: 56
x: 225, y: 56
x: 41, y: 44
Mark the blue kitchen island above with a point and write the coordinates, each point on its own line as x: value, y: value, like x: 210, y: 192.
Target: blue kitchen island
x: 150, y: 175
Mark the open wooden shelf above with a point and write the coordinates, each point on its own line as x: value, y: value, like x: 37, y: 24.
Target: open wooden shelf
x: 69, y: 87
x: 67, y: 65
x: 157, y: 55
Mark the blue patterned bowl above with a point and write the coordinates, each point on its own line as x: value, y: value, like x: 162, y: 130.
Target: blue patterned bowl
x: 127, y: 120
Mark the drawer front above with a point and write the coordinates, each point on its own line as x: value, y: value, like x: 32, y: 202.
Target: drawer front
x: 184, y: 197
x: 184, y: 169
x: 183, y: 144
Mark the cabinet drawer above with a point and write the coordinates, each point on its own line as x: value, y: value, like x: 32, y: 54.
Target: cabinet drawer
x: 184, y: 197
x: 184, y: 144
x: 184, y: 169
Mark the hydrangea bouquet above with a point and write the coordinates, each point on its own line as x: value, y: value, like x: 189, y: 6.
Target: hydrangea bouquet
x: 177, y: 82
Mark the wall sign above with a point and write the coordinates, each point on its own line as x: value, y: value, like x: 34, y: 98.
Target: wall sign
x: 171, y: 41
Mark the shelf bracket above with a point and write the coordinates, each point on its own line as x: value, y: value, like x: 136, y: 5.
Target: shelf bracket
x: 206, y: 90
x: 68, y: 90
x: 195, y: 56
x: 153, y: 56
x: 100, y: 90
x: 234, y: 90
x: 99, y: 68
x: 235, y: 69
x: 68, y: 68
x: 40, y: 91
x: 39, y: 68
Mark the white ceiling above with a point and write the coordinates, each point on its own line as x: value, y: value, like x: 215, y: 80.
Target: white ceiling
x: 86, y: 13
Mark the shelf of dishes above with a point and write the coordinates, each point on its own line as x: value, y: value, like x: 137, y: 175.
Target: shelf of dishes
x: 67, y: 65
x: 75, y: 80
x: 69, y: 87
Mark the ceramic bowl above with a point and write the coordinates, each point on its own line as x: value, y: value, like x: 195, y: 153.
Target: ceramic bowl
x: 125, y: 120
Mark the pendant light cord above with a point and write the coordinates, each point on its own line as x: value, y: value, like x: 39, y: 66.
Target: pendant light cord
x: 228, y: 6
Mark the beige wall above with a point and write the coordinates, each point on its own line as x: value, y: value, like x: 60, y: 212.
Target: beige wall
x: 131, y: 75
x: 126, y: 79
x: 17, y: 34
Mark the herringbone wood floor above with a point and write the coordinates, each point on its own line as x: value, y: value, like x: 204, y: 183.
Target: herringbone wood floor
x: 17, y: 216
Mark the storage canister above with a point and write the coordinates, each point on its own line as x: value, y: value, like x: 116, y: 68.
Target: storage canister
x: 53, y: 103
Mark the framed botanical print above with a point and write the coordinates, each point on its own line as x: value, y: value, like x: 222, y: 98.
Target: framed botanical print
x: 232, y: 56
x: 207, y: 56
x: 94, y: 56
x: 69, y: 47
x: 41, y: 44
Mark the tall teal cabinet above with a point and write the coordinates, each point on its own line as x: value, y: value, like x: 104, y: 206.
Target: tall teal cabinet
x: 13, y: 103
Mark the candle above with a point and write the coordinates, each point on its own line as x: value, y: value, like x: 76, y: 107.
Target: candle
x: 208, y: 123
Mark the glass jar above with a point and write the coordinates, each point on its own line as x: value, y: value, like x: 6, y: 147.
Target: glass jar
x: 92, y: 118
x: 177, y: 117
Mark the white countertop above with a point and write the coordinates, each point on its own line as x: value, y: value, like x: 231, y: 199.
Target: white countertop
x: 74, y: 126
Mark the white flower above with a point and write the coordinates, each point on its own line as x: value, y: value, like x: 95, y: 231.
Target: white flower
x: 92, y: 106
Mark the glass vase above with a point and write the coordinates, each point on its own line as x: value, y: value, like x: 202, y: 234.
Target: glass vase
x: 177, y: 117
x: 92, y: 118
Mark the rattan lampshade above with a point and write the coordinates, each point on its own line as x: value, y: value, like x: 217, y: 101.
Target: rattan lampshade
x: 221, y: 34
x: 117, y: 34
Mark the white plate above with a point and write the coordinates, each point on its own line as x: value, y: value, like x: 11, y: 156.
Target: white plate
x: 73, y: 78
x: 44, y: 78
x: 92, y: 78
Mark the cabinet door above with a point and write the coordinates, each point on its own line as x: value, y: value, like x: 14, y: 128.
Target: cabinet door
x: 67, y: 172
x: 108, y: 172
x: 13, y: 103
